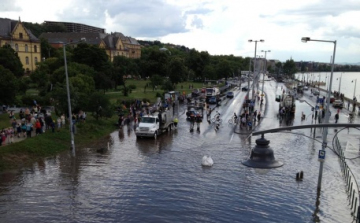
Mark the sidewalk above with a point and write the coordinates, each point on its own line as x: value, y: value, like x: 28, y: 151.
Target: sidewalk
x: 251, y: 125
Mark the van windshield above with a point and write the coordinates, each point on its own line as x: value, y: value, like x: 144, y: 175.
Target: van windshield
x: 148, y: 120
x: 209, y: 90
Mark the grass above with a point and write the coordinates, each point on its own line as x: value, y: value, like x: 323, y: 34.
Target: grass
x: 49, y: 144
x: 5, y: 122
x: 140, y: 93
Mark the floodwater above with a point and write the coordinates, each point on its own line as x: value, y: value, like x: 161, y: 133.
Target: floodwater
x: 147, y: 180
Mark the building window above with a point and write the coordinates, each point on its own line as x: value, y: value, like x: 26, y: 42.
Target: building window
x: 16, y: 47
x: 26, y: 48
x: 35, y: 59
x: 27, y: 60
x: 35, y: 49
x: 20, y: 35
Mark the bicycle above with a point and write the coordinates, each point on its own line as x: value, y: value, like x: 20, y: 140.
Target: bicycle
x: 216, y: 118
x: 234, y: 120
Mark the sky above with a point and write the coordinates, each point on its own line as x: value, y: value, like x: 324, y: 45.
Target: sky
x: 220, y: 27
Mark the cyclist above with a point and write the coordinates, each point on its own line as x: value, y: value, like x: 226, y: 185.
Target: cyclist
x: 217, y: 121
x: 235, y: 118
x: 217, y: 116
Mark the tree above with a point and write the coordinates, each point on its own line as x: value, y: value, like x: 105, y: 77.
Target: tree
x: 176, y: 70
x: 99, y: 105
x: 59, y: 96
x: 290, y: 68
x: 223, y: 69
x: 8, y: 86
x: 278, y: 66
x: 156, y: 80
x: 9, y: 59
x: 47, y: 50
x: 91, y: 55
x: 83, y: 83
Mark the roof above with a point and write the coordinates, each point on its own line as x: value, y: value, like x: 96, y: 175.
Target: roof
x: 7, y: 26
x: 91, y: 38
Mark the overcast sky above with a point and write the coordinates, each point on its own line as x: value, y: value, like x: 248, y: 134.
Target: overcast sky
x: 216, y: 26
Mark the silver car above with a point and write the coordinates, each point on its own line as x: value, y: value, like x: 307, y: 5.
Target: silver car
x: 338, y: 104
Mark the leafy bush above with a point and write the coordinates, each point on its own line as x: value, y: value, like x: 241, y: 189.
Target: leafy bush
x: 28, y: 100
x: 132, y: 86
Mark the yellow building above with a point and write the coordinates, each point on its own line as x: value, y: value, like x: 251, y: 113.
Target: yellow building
x: 27, y: 46
x: 115, y: 44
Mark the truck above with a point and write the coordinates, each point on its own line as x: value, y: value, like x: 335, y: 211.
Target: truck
x: 288, y: 102
x: 212, y: 92
x: 156, y: 123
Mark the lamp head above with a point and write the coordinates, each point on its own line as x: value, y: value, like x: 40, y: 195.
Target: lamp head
x: 250, y: 40
x: 305, y: 39
x: 262, y: 40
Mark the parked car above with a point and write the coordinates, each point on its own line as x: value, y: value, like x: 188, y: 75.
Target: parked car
x: 212, y: 100
x: 230, y: 94
x: 195, y: 93
x: 338, y: 104
x: 316, y: 92
x: 245, y: 89
x: 332, y: 99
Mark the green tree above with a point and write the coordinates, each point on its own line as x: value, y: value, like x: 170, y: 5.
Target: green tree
x: 8, y: 86
x: 47, y: 50
x: 83, y: 83
x: 176, y: 70
x: 91, y: 55
x: 223, y: 69
x: 156, y: 81
x: 9, y: 59
x: 289, y: 68
x: 99, y: 105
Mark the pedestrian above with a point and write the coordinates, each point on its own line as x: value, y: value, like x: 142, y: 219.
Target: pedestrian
x: 198, y: 121
x: 259, y: 116
x: 176, y: 120
x: 192, y: 122
x: 62, y: 117
x: 336, y: 117
x: 37, y: 127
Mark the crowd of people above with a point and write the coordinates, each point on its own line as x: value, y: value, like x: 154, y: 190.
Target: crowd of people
x: 29, y: 122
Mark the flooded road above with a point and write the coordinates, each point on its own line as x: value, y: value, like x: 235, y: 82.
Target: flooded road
x: 147, y: 180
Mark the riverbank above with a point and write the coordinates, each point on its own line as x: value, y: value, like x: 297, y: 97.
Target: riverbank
x: 50, y: 143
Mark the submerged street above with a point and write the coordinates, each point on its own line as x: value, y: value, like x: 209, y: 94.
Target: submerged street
x: 162, y: 180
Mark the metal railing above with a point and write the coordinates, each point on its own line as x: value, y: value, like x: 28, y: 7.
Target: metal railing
x: 352, y: 187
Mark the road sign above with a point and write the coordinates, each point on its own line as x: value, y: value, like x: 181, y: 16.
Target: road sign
x: 250, y: 124
x: 321, y: 157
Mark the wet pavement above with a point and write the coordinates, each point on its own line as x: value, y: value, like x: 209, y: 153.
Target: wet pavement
x: 162, y: 180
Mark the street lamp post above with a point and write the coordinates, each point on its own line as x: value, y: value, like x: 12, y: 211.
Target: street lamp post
x: 354, y: 87
x: 327, y: 112
x: 68, y: 96
x: 262, y: 89
x: 339, y: 83
x: 256, y: 41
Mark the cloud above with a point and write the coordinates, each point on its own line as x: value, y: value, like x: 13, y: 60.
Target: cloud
x: 150, y: 18
x: 9, y: 6
x: 197, y: 23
